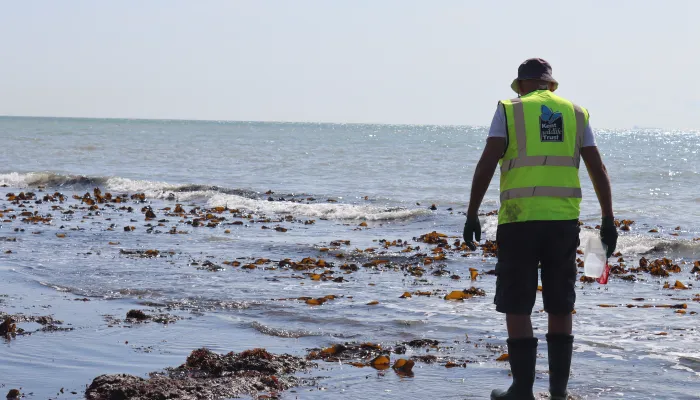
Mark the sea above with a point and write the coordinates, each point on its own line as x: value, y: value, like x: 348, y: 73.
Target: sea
x: 360, y: 194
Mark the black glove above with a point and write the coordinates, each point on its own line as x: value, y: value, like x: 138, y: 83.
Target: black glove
x: 608, y: 234
x: 472, y: 229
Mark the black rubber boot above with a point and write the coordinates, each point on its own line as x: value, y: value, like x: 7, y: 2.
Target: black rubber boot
x: 559, y: 348
x: 522, y: 355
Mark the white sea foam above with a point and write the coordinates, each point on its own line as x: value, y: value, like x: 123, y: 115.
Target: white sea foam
x: 14, y: 179
x: 639, y: 244
x: 626, y: 244
x: 214, y: 196
x: 126, y: 185
x: 164, y: 190
x: 318, y: 210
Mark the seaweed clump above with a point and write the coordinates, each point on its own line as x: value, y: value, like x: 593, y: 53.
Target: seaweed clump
x: 206, y: 374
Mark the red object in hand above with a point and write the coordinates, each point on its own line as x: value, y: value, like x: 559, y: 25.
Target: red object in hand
x: 603, y: 280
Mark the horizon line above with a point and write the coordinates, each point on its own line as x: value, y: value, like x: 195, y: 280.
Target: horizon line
x: 293, y: 122
x: 230, y: 121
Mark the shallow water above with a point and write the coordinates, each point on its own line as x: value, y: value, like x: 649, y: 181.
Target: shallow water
x: 371, y: 173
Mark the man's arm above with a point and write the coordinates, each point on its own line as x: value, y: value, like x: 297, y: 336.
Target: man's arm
x: 495, y: 147
x: 599, y: 177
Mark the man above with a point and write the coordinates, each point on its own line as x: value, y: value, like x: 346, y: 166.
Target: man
x: 539, y: 139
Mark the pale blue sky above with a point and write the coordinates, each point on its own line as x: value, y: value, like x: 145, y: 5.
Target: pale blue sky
x: 401, y: 61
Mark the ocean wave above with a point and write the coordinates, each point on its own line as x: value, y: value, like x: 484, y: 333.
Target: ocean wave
x: 318, y: 210
x: 152, y: 189
x: 103, y: 293
x: 283, y: 333
x: 59, y: 288
x: 643, y: 245
x: 676, y: 248
x: 147, y: 296
x: 213, y: 195
x: 48, y: 179
x: 164, y: 190
x: 252, y: 201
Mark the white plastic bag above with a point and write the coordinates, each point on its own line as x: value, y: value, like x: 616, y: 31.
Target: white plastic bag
x: 594, y: 257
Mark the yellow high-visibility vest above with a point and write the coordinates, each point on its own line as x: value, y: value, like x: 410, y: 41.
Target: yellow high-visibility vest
x: 539, y: 170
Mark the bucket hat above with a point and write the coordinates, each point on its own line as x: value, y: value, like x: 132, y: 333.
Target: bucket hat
x: 534, y: 68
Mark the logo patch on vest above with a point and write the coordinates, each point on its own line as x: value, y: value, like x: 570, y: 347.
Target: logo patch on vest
x: 551, y: 125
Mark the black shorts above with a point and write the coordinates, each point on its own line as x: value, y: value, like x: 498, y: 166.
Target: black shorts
x: 523, y: 247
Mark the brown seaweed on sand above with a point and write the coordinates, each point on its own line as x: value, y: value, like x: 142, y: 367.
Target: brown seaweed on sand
x: 8, y: 327
x: 364, y: 352
x: 137, y: 315
x: 207, y: 375
x: 465, y: 294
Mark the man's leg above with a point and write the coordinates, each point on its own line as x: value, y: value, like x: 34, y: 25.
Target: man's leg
x: 560, y: 324
x: 559, y: 295
x: 519, y: 326
x: 516, y: 291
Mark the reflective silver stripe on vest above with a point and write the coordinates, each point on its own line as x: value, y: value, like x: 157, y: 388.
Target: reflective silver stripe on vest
x: 519, y: 119
x: 523, y: 160
x: 580, y: 132
x: 536, y: 161
x: 540, y: 191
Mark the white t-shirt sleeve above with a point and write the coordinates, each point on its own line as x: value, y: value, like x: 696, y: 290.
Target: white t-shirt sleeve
x: 498, y: 128
x: 588, y: 136
x: 498, y: 124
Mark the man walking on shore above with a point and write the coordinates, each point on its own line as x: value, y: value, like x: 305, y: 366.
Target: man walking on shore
x: 539, y: 139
